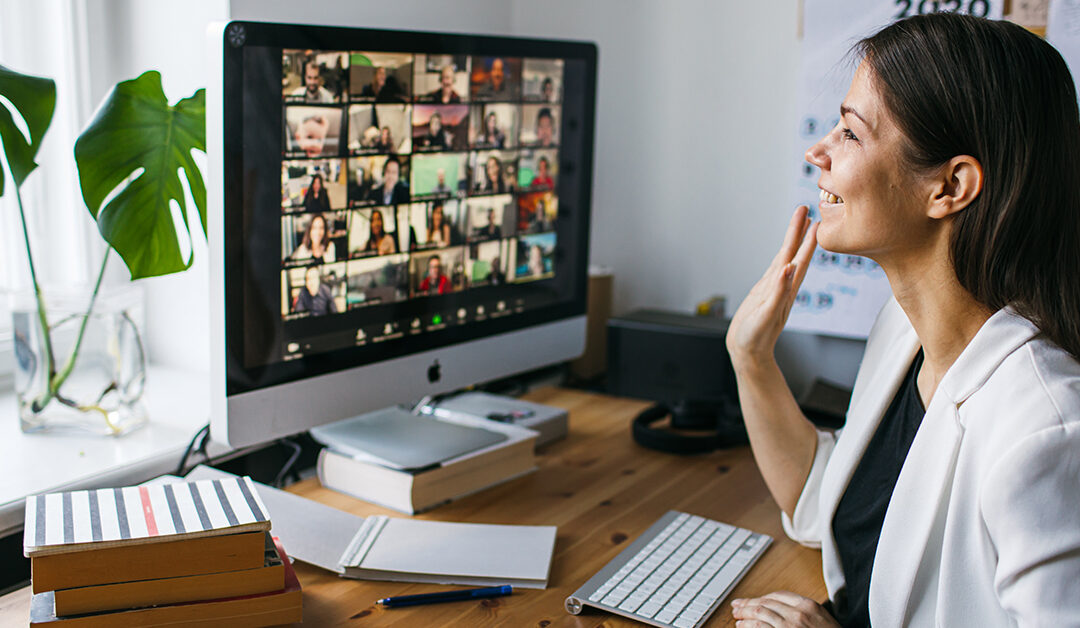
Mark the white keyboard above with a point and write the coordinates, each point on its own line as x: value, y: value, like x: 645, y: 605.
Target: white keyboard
x: 676, y: 574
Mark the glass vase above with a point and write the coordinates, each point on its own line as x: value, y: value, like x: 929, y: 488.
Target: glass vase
x: 87, y: 374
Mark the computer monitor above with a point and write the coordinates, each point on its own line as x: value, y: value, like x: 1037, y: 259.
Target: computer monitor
x: 392, y: 215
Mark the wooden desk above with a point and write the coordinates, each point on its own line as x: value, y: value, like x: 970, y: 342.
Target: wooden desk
x: 601, y: 490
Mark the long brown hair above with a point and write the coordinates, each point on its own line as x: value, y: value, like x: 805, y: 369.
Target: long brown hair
x: 961, y: 85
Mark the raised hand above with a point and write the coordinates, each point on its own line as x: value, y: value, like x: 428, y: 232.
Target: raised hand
x: 760, y: 318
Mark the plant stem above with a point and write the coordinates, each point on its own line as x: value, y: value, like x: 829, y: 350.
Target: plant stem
x: 57, y: 380
x: 43, y: 320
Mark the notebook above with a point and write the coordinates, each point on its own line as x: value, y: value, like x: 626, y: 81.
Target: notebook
x: 74, y: 521
x: 405, y: 550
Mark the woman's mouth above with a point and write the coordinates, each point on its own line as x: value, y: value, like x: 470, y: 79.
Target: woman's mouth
x: 829, y: 197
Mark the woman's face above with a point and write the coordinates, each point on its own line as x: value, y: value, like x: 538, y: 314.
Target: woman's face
x: 390, y: 174
x: 493, y: 169
x: 435, y: 123
x: 872, y: 203
x: 491, y: 122
x: 316, y: 184
x: 543, y: 167
x: 437, y: 216
x: 318, y: 229
x: 384, y: 134
x: 376, y: 222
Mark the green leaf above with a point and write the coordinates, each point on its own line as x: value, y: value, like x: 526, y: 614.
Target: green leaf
x: 34, y: 99
x: 136, y: 128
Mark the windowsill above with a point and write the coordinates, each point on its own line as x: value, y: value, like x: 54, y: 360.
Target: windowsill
x: 178, y: 404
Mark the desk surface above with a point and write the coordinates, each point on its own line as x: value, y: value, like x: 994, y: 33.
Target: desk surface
x: 601, y: 490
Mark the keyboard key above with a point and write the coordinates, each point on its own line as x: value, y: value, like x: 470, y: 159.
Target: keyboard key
x: 648, y: 609
x: 665, y: 616
x: 683, y: 622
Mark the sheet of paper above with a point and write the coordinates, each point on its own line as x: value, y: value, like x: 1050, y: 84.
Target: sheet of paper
x: 463, y: 549
x: 842, y: 294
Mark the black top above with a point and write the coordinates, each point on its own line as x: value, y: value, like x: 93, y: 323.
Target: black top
x: 858, y: 519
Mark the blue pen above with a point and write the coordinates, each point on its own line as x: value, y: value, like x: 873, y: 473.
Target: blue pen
x: 445, y: 596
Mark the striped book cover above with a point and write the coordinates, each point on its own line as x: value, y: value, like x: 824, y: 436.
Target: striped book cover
x: 79, y: 520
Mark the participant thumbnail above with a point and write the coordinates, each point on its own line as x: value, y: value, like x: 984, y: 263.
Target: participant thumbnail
x: 486, y: 263
x: 540, y: 125
x: 491, y: 217
x: 380, y: 77
x: 496, y: 79
x: 438, y: 272
x: 315, y: 290
x: 312, y: 131
x: 379, y: 129
x: 439, y: 175
x: 435, y: 224
x: 442, y: 79
x: 534, y: 257
x: 494, y: 125
x: 440, y: 127
x: 537, y: 212
x: 493, y: 172
x: 373, y: 232
x: 313, y: 238
x: 376, y: 281
x: 313, y: 185
x: 538, y: 169
x: 378, y: 180
x: 311, y: 76
x: 542, y: 80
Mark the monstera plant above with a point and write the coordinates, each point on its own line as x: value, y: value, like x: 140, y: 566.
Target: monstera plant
x: 128, y: 159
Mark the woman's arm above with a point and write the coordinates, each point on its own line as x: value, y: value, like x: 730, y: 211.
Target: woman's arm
x: 782, y: 439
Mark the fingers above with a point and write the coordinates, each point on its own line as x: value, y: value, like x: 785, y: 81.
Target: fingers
x: 804, y: 254
x: 796, y: 229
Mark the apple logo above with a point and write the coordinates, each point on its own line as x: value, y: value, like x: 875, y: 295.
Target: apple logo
x: 434, y: 372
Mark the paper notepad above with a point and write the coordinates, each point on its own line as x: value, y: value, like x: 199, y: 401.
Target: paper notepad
x: 405, y: 550
x: 410, y: 550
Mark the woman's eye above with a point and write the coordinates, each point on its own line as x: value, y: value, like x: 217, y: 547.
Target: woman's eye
x: 848, y: 135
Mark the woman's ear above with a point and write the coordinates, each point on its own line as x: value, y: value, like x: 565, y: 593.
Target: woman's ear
x: 958, y: 183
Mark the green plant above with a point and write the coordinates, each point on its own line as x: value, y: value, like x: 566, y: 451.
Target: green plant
x: 128, y: 160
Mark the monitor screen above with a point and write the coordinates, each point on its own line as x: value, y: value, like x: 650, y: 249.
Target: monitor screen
x: 388, y: 193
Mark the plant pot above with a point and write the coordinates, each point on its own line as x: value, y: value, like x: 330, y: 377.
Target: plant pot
x: 99, y: 389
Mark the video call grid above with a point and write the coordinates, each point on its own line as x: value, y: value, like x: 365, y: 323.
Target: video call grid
x: 461, y: 196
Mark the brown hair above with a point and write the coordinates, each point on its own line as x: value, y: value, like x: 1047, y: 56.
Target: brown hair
x: 961, y: 85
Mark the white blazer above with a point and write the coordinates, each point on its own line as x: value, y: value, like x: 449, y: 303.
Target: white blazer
x: 983, y: 528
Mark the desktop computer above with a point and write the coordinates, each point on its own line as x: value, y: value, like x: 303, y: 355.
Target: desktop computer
x: 393, y: 215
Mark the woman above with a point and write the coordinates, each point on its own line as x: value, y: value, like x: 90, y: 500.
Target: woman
x: 316, y: 245
x: 493, y: 181
x: 491, y: 136
x: 316, y: 198
x: 949, y: 498
x: 379, y: 241
x: 536, y: 261
x: 386, y: 141
x: 543, y: 179
x: 438, y: 232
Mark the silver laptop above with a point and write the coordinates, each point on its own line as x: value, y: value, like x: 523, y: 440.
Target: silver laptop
x: 396, y: 438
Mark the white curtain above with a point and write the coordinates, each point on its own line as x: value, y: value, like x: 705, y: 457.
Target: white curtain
x: 49, y: 38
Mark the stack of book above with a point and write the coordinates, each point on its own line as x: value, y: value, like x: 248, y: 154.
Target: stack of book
x: 185, y: 553
x: 415, y: 490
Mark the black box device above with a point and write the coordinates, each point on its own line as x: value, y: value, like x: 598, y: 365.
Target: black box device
x: 681, y: 362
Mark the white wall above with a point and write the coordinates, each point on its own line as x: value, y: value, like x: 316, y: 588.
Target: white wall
x: 130, y: 37
x: 696, y: 107
x: 695, y: 111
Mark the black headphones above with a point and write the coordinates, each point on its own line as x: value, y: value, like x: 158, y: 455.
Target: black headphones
x: 723, y: 418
